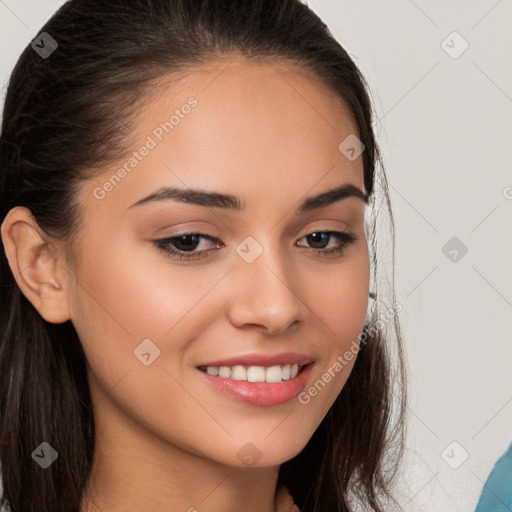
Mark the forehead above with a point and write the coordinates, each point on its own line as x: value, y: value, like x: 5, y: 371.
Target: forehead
x: 242, y: 127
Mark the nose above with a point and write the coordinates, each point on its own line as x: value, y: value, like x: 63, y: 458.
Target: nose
x: 265, y: 294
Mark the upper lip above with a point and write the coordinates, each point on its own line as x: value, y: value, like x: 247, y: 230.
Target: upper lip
x: 281, y: 359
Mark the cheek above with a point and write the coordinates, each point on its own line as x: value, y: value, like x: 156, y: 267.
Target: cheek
x: 120, y: 301
x: 340, y: 306
x: 133, y: 292
x: 339, y: 297
x: 340, y: 303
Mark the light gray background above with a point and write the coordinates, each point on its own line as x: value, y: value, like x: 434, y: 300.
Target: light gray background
x: 445, y: 127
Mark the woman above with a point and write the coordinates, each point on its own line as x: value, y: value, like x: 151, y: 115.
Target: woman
x: 186, y: 321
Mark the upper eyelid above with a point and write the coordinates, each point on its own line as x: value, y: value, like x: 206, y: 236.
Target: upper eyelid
x: 197, y: 231
x: 310, y: 231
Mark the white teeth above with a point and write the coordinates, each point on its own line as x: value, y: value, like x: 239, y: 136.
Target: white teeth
x: 274, y: 374
x: 255, y: 373
x: 225, y: 371
x: 238, y: 373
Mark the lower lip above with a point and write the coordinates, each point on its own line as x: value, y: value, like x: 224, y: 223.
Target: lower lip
x: 261, y: 393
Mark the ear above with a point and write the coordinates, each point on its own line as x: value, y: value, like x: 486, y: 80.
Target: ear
x: 36, y: 265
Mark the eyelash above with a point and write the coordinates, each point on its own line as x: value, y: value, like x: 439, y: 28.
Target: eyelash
x: 165, y: 246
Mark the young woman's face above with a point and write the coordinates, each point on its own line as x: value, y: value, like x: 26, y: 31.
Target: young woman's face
x: 259, y: 283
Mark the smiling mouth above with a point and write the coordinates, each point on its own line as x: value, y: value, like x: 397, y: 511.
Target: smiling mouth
x: 252, y: 373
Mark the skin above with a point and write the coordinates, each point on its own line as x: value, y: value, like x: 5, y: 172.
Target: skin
x: 166, y: 440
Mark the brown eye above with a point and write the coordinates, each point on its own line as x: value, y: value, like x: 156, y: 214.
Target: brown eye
x: 183, y: 247
x: 322, y: 238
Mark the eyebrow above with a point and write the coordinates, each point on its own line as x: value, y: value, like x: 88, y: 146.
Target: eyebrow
x: 227, y: 201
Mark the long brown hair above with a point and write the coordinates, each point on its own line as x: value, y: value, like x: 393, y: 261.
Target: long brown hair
x: 68, y: 114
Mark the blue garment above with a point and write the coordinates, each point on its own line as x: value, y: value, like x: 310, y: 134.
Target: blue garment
x: 497, y: 492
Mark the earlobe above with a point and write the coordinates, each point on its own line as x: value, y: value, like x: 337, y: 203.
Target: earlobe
x: 34, y: 264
